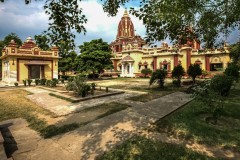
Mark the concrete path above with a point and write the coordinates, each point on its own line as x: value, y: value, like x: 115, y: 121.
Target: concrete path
x: 95, y: 138
x: 61, y: 107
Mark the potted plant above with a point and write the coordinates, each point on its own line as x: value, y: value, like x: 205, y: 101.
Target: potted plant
x: 25, y: 82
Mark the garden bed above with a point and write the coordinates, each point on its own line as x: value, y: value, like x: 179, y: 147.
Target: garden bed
x: 71, y: 97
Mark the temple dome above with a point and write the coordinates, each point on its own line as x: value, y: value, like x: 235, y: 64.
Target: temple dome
x: 125, y: 27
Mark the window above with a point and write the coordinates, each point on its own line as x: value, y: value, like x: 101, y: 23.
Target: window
x: 165, y: 67
x: 216, y: 67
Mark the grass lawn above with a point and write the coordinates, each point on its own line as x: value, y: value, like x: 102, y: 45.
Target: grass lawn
x: 156, y: 92
x: 189, y: 123
x: 139, y: 148
x: 17, y: 106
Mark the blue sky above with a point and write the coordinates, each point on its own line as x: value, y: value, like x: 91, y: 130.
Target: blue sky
x: 30, y: 20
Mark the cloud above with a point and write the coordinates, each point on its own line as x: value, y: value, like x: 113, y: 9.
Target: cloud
x: 101, y: 25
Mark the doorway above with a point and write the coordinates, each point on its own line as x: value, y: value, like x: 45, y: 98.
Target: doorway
x: 35, y: 72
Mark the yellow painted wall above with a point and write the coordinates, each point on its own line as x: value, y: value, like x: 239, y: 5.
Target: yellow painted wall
x: 200, y: 58
x: 167, y: 58
x: 23, y: 70
x: 149, y: 61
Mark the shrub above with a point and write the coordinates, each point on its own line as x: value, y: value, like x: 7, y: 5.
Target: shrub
x: 62, y: 80
x: 79, y: 86
x: 221, y: 84
x: 233, y: 71
x: 55, y: 80
x: 177, y: 73
x: 146, y: 71
x: 92, y: 76
x: 93, y: 85
x: 158, y: 77
x: 194, y: 70
x: 70, y: 79
x: 29, y: 81
x: 25, y: 82
x: 212, y: 95
x: 16, y: 84
x: 53, y: 83
x: 43, y: 81
x: 37, y: 81
x: 48, y: 83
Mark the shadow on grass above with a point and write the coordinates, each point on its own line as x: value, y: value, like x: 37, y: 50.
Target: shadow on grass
x: 141, y: 148
x: 189, y: 123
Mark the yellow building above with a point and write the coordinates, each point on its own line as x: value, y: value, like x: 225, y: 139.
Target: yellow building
x: 28, y: 62
x: 131, y: 55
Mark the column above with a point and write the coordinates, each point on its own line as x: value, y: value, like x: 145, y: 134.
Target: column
x: 122, y: 68
x: 154, y: 63
x: 130, y: 68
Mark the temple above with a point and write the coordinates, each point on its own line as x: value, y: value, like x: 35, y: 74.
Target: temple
x: 131, y: 54
x: 28, y: 62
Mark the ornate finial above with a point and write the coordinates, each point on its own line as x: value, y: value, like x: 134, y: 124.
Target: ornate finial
x: 125, y: 13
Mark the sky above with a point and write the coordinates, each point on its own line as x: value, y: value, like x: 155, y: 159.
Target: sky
x: 30, y: 20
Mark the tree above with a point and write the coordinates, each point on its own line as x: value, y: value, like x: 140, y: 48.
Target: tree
x: 183, y: 20
x: 235, y: 53
x: 95, y: 56
x: 146, y: 71
x: 42, y: 42
x: 194, y: 70
x: 180, y: 20
x: 233, y: 71
x: 68, y: 62
x: 12, y: 36
x: 177, y: 73
x: 6, y: 40
x: 158, y: 77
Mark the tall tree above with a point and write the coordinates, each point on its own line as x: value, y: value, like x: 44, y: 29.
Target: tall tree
x: 68, y: 57
x: 68, y: 62
x: 183, y: 20
x: 42, y: 42
x: 6, y: 40
x: 235, y: 53
x: 95, y: 56
x: 180, y: 20
x: 12, y: 36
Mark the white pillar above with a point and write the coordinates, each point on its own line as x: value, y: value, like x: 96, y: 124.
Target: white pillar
x: 122, y: 69
x: 130, y: 68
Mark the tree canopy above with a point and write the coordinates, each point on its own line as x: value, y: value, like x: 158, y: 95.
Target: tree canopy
x: 95, y: 56
x: 183, y: 20
x: 180, y: 20
x: 42, y: 42
x: 12, y: 36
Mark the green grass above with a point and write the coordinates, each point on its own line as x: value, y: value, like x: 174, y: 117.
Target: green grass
x: 140, y: 148
x: 63, y: 98
x: 153, y: 93
x: 17, y: 106
x: 189, y: 123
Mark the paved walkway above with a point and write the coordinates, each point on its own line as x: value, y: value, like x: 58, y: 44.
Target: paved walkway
x: 62, y: 107
x: 103, y: 134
